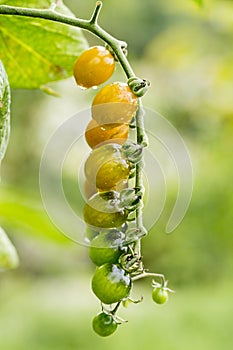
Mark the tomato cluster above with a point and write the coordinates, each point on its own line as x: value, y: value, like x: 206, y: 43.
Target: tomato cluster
x: 110, y: 200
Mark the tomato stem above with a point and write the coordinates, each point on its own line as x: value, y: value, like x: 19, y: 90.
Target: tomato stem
x: 116, y: 308
x: 149, y: 274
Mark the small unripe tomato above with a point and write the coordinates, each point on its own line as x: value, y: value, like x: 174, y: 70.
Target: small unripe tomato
x: 111, y: 283
x: 103, y: 211
x: 93, y: 67
x: 114, y: 103
x: 160, y: 295
x: 104, y: 324
x: 106, y: 167
x: 97, y: 134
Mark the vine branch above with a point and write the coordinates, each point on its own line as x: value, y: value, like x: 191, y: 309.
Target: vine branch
x: 149, y: 274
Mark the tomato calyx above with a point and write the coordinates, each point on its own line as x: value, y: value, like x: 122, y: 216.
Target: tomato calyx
x: 113, y: 312
x: 134, y: 234
x: 163, y: 285
x: 110, y: 195
x: 131, y: 263
x: 129, y: 301
x: 133, y: 152
x: 138, y: 86
x: 130, y: 198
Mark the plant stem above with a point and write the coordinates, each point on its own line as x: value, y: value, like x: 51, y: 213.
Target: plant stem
x: 148, y: 274
x: 116, y: 308
x: 141, y: 140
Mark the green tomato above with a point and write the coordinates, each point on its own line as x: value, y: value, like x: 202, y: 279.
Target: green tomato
x: 103, y: 210
x: 106, y: 247
x: 111, y: 283
x: 104, y: 324
x: 160, y: 295
x: 106, y: 167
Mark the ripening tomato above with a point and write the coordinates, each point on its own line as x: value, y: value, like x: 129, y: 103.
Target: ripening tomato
x: 103, y: 210
x: 114, y: 103
x: 93, y: 67
x: 97, y: 134
x: 106, y: 167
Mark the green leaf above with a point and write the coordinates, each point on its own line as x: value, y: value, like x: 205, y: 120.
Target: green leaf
x: 24, y: 212
x: 4, y: 111
x: 8, y: 254
x: 36, y: 51
x: 27, y: 3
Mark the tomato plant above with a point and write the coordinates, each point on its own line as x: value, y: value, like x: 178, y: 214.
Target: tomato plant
x: 114, y: 182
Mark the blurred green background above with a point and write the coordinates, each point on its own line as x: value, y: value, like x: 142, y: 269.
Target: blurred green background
x: 186, y: 53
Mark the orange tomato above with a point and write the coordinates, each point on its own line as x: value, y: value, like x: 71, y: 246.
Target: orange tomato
x: 114, y: 103
x: 93, y: 67
x: 97, y: 134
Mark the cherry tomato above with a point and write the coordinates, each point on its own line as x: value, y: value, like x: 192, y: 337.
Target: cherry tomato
x: 111, y: 283
x: 114, y: 103
x: 106, y: 247
x: 106, y: 167
x: 102, y: 210
x: 93, y: 67
x: 97, y: 134
x: 160, y: 295
x: 104, y: 324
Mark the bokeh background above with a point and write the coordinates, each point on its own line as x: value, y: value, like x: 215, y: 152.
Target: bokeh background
x: 186, y: 53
